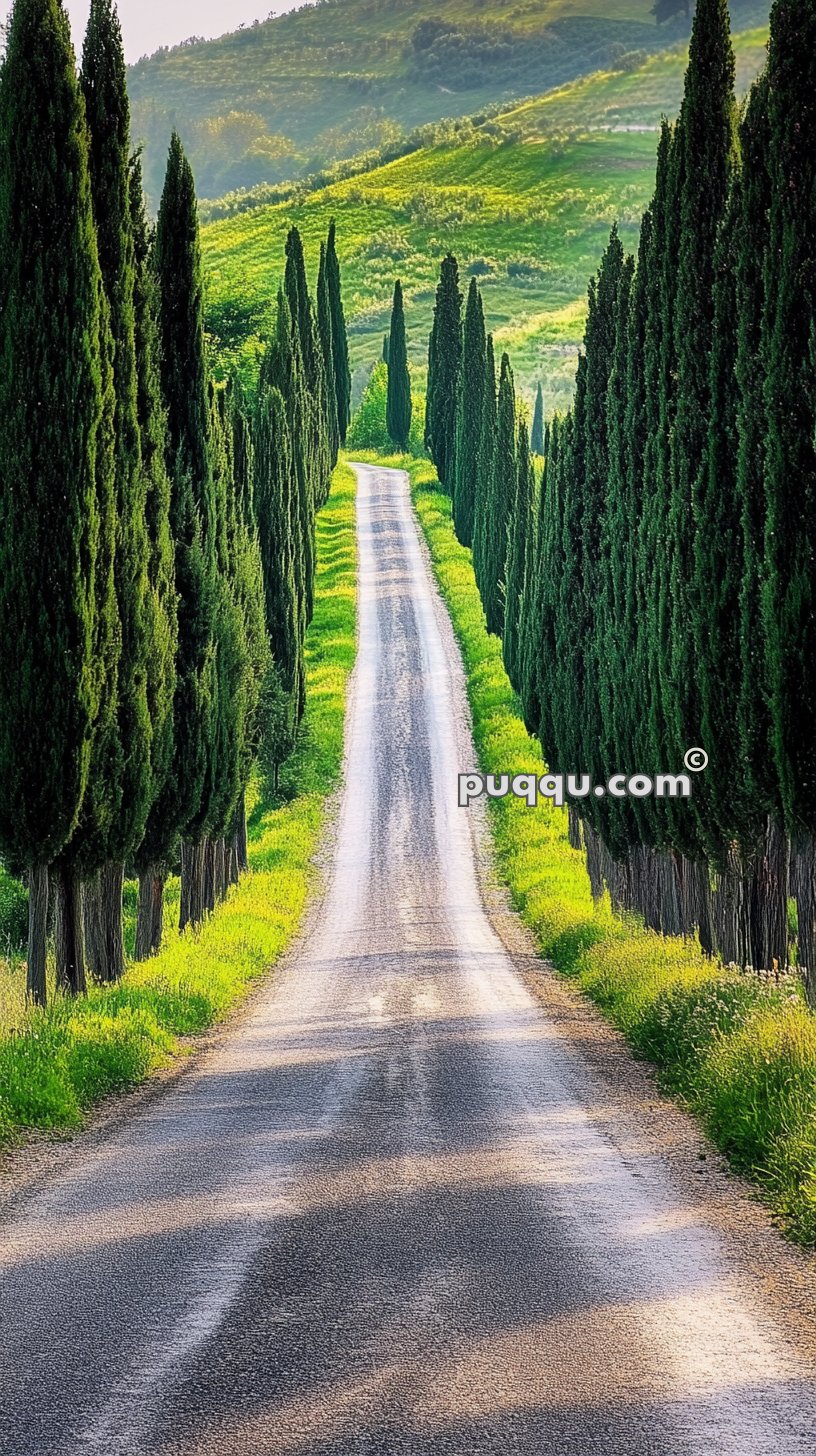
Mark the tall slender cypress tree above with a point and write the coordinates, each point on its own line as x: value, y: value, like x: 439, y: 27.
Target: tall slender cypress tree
x: 470, y: 403
x: 50, y: 411
x: 324, y: 328
x: 444, y: 360
x: 520, y: 530
x: 398, y: 406
x: 537, y: 432
x: 193, y: 516
x: 153, y: 854
x: 127, y: 787
x: 278, y: 524
x: 281, y: 370
x: 484, y: 464
x: 500, y: 502
x: 340, y: 356
x: 788, y: 586
x: 707, y: 137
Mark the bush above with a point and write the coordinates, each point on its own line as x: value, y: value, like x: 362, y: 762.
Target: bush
x: 13, y: 914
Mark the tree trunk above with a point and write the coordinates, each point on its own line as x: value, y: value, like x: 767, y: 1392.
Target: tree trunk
x: 36, y: 985
x: 150, y: 917
x: 232, y: 862
x: 92, y: 912
x: 221, y: 881
x: 103, y: 919
x: 192, y: 884
x: 69, y: 931
x: 241, y: 849
x: 806, y: 914
x: 208, y: 885
x: 768, y: 907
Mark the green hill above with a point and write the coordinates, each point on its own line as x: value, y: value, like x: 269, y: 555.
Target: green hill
x: 287, y: 96
x: 525, y: 201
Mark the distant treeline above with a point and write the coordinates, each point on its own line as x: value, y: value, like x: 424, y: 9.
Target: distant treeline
x: 156, y: 532
x: 656, y: 590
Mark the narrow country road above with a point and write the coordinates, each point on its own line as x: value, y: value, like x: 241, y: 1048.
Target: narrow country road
x: 384, y: 1213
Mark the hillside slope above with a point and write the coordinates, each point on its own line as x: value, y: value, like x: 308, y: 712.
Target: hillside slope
x: 526, y: 203
x: 284, y: 97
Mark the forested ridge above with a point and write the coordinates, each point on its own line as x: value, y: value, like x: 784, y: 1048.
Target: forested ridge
x: 157, y: 529
x: 654, y: 588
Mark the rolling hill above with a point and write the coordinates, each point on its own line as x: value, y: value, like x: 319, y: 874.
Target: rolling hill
x: 281, y: 98
x: 525, y: 200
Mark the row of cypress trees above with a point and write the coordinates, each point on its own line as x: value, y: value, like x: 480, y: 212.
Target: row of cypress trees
x: 156, y: 532
x: 656, y: 590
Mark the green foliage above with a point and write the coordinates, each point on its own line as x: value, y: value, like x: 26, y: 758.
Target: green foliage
x: 398, y: 399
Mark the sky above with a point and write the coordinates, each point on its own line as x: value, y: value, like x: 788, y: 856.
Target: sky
x: 148, y: 24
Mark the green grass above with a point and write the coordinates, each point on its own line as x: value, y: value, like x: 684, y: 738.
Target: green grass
x: 741, y: 1055
x: 57, y: 1063
x: 283, y: 97
x: 526, y: 202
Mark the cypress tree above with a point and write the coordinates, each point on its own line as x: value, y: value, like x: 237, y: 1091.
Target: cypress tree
x: 398, y: 407
x: 324, y: 328
x: 753, y: 717
x: 444, y: 361
x: 249, y: 579
x: 484, y: 464
x: 313, y: 400
x: 193, y: 517
x: 537, y: 432
x: 613, y: 649
x: 232, y: 702
x: 707, y: 138
x: 278, y: 520
x: 519, y: 534
x: 153, y: 854
x: 127, y: 787
x: 50, y: 412
x: 385, y: 349
x: 654, y: 561
x: 591, y: 487
x: 787, y: 592
x: 470, y: 403
x: 569, y: 664
x: 539, y: 665
x: 340, y: 355
x: 281, y: 370
x: 500, y: 502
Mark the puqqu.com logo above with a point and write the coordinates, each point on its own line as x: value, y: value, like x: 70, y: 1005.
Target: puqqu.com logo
x: 558, y: 788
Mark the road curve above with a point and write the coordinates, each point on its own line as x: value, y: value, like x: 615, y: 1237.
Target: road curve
x: 383, y: 1214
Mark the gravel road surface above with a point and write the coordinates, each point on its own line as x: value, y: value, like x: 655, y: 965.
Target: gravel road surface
x: 387, y: 1212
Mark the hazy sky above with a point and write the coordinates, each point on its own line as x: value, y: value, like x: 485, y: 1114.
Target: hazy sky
x: 148, y: 24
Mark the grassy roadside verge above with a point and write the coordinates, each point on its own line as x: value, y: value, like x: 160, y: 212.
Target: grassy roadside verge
x: 741, y: 1055
x: 55, y: 1064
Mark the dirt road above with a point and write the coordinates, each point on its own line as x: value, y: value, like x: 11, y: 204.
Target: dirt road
x: 385, y: 1213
